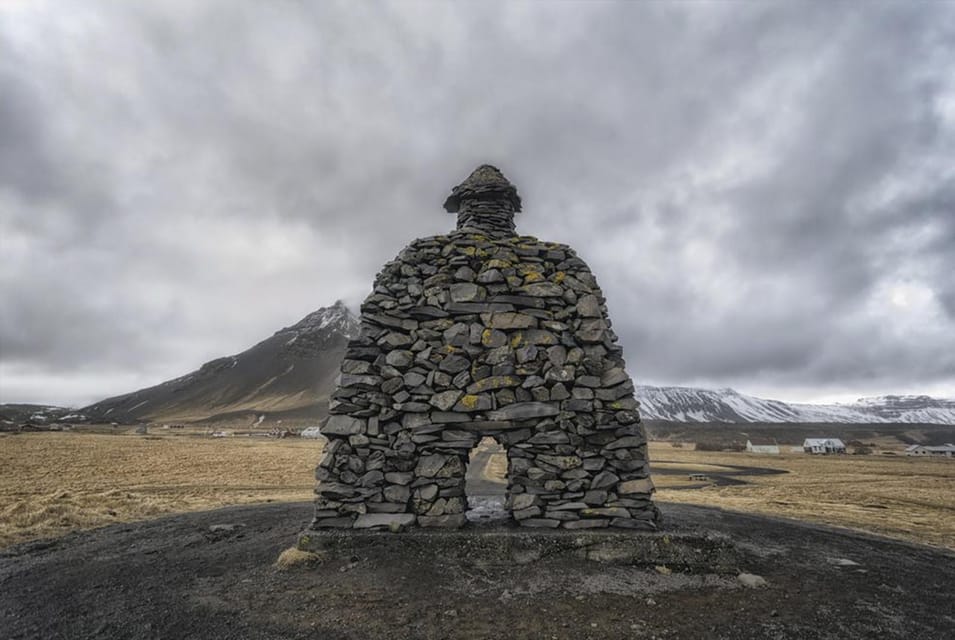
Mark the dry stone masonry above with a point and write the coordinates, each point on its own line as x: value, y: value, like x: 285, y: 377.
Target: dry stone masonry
x: 478, y: 333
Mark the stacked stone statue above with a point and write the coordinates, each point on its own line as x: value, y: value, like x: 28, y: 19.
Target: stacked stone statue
x: 477, y: 333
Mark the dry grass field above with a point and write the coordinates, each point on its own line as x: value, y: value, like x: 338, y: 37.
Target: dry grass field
x: 53, y: 483
x: 894, y: 495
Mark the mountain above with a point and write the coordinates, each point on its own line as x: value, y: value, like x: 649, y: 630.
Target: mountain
x: 690, y: 404
x: 34, y: 413
x: 292, y: 371
x: 910, y: 409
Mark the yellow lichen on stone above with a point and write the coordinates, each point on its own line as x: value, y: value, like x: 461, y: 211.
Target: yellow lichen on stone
x: 497, y: 263
x: 495, y: 382
x: 517, y: 340
x: 468, y: 251
x: 506, y: 254
x: 559, y: 277
x: 486, y: 337
x: 449, y: 348
x: 469, y: 401
x: 533, y: 276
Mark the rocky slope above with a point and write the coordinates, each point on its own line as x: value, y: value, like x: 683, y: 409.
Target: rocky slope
x: 690, y: 404
x: 292, y: 370
x: 910, y: 408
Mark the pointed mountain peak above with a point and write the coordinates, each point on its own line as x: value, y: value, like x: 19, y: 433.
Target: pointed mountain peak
x: 293, y: 370
x: 337, y: 317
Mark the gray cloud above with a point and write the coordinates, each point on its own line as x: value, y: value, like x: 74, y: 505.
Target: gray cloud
x: 764, y: 191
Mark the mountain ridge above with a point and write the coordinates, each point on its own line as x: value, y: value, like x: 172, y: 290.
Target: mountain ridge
x: 694, y: 404
x: 293, y: 372
x: 293, y: 369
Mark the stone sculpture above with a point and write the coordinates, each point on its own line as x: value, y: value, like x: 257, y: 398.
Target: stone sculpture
x: 484, y: 332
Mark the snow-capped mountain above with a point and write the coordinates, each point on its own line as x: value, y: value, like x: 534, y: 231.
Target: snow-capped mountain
x: 922, y: 409
x: 319, y: 330
x: 690, y: 404
x: 38, y: 414
x: 294, y: 369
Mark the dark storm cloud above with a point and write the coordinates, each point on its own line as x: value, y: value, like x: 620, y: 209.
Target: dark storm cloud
x: 764, y: 190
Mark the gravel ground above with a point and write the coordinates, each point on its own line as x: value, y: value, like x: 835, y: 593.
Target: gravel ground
x: 188, y: 577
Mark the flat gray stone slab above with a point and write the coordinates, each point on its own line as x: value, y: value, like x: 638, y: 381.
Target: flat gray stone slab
x: 384, y: 520
x: 501, y: 544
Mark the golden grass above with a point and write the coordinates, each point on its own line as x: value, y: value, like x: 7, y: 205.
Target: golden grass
x: 53, y: 483
x: 496, y: 469
x: 899, y: 496
x: 295, y: 557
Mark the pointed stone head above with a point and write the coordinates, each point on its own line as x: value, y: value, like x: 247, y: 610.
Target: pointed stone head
x: 485, y: 200
x: 485, y: 183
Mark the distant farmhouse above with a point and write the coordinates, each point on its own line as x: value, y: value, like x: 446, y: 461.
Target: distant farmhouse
x: 946, y: 450
x: 311, y: 432
x: 824, y: 446
x: 762, y: 445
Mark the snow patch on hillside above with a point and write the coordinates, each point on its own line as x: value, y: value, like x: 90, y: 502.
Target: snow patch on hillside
x: 691, y: 404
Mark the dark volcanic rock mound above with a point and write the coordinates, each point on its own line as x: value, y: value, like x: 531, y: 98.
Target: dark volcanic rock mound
x: 209, y: 575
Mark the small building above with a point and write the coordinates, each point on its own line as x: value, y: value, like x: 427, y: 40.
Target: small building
x: 762, y: 445
x: 946, y: 450
x: 823, y: 446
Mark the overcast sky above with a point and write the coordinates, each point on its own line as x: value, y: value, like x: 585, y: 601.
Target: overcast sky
x: 766, y: 192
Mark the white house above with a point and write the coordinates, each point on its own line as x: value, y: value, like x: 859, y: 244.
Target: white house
x: 762, y: 445
x: 823, y: 445
x: 311, y: 432
x: 947, y: 450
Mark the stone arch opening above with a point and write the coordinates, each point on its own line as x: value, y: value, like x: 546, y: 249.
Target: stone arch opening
x: 485, y: 482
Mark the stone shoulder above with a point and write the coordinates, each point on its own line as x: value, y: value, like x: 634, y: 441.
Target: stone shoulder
x: 480, y: 244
